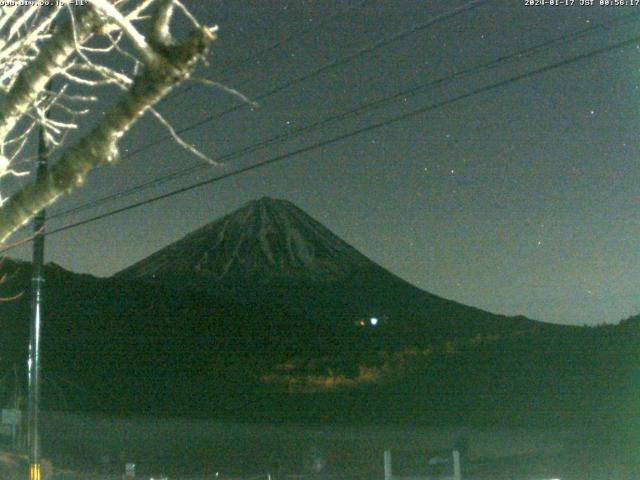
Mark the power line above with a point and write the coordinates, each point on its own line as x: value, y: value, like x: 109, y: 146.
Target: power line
x: 433, y: 21
x: 318, y: 71
x: 353, y: 133
x: 274, y: 46
x: 506, y: 59
x: 294, y: 36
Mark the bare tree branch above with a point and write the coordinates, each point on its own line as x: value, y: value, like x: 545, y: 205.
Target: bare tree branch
x: 34, y: 77
x: 165, y: 64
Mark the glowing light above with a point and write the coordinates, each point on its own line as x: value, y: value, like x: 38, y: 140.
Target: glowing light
x: 373, y: 321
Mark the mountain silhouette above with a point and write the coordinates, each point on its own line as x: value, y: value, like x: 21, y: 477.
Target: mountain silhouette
x: 267, y: 315
x: 267, y: 241
x: 271, y: 251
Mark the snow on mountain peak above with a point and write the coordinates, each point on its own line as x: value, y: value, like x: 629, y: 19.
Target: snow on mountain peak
x: 263, y: 241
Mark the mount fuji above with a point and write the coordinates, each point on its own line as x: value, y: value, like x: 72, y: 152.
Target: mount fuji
x: 270, y: 251
x: 266, y: 241
x: 268, y: 303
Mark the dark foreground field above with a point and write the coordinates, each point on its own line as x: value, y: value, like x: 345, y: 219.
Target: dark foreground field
x: 183, y: 448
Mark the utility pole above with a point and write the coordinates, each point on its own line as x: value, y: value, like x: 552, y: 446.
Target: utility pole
x: 37, y: 285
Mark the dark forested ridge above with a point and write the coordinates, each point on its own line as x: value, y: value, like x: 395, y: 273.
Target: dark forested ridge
x: 309, y: 351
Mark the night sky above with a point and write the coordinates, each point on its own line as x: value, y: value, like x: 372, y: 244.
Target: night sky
x: 519, y: 200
